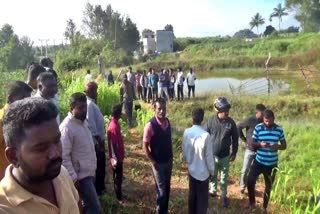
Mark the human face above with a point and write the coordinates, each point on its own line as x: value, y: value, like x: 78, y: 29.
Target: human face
x: 268, y: 122
x: 80, y: 111
x: 39, y: 158
x: 223, y: 115
x: 48, y: 88
x: 259, y: 115
x: 160, y: 110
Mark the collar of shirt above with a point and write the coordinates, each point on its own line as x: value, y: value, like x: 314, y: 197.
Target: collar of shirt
x: 163, y: 124
x: 73, y: 118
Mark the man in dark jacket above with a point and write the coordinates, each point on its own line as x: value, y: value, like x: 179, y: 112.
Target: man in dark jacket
x: 249, y: 124
x: 223, y: 131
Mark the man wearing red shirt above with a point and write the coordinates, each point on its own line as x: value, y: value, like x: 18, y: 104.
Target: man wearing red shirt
x: 116, y: 150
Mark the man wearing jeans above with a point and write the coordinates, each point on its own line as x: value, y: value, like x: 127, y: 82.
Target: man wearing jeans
x: 224, y: 133
x: 197, y: 153
x: 249, y: 124
x: 266, y: 138
x: 78, y: 153
x: 157, y: 145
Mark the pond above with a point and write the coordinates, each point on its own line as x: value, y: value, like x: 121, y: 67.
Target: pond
x: 250, y: 86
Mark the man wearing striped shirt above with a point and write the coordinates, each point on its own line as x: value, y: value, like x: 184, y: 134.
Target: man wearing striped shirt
x: 266, y: 138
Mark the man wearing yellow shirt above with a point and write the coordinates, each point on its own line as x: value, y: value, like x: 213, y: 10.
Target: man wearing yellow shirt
x: 17, y: 90
x: 35, y: 182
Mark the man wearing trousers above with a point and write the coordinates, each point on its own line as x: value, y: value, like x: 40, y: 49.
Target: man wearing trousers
x: 157, y: 145
x: 266, y: 138
x: 224, y: 133
x: 197, y: 153
x: 249, y: 124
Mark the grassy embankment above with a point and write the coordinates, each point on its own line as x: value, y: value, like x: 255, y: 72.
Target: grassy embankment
x: 210, y: 54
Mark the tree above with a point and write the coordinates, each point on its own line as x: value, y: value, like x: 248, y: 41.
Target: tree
x: 279, y: 12
x: 269, y: 30
x: 256, y: 21
x: 169, y: 27
x: 245, y: 33
x: 131, y: 36
x: 307, y: 13
x: 70, y: 31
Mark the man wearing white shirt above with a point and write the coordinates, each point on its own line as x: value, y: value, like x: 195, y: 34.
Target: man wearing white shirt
x: 88, y: 78
x: 180, y: 80
x: 191, y: 77
x: 197, y: 153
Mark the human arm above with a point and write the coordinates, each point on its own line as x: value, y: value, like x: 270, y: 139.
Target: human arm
x: 244, y: 124
x: 67, y: 146
x: 146, y: 142
x: 283, y: 143
x: 187, y: 149
x: 207, y: 126
x: 235, y: 141
x: 91, y: 117
x: 121, y: 93
x: 209, y: 156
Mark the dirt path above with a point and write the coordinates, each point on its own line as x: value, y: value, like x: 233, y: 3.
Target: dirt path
x: 139, y: 189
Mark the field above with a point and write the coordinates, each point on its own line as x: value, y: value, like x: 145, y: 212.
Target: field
x: 297, y: 180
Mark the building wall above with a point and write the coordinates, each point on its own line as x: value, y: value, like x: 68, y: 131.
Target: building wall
x: 149, y: 45
x: 164, y: 41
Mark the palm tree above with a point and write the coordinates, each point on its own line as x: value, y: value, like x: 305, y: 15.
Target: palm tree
x: 279, y: 12
x: 256, y: 21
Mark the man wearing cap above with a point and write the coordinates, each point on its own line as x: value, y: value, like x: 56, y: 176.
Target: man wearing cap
x: 96, y: 126
x: 224, y: 133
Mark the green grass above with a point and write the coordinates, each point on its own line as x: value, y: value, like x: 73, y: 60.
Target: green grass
x: 298, y: 176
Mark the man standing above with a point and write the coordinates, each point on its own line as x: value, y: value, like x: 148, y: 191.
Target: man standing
x: 180, y: 80
x: 266, y: 138
x: 109, y: 78
x: 224, y: 133
x: 138, y: 85
x: 35, y: 181
x: 249, y: 124
x: 163, y: 84
x: 153, y: 82
x: 191, y: 77
x: 116, y: 150
x: 127, y: 95
x: 88, y: 77
x: 197, y: 153
x: 172, y: 81
x: 157, y: 145
x: 131, y: 77
x: 96, y: 126
x: 17, y: 90
x: 78, y: 152
x: 99, y: 64
x: 48, y: 88
x: 34, y: 71
x: 145, y: 84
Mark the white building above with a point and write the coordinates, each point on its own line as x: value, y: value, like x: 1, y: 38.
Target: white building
x: 149, y: 42
x: 164, y: 41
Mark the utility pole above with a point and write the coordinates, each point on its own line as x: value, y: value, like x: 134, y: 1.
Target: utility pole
x: 267, y: 69
x: 46, y: 40
x: 115, y: 33
x: 41, y: 46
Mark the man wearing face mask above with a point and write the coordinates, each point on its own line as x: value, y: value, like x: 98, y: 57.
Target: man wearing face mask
x: 35, y: 181
x: 78, y: 154
x: 223, y: 134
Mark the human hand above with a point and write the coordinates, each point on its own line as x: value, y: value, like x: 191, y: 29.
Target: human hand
x: 263, y: 144
x: 77, y: 185
x: 274, y: 147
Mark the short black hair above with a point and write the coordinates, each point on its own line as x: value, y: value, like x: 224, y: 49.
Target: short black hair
x: 160, y: 101
x: 54, y: 73
x: 46, y: 76
x: 18, y: 87
x: 88, y: 71
x: 24, y: 114
x: 197, y: 115
x: 116, y: 110
x: 34, y: 71
x: 268, y: 114
x: 130, y: 68
x: 260, y: 107
x: 45, y: 62
x: 77, y: 98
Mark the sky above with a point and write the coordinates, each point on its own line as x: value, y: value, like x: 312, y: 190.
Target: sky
x: 44, y: 19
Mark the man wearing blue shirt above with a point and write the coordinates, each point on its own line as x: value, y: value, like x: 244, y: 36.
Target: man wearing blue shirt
x: 266, y: 138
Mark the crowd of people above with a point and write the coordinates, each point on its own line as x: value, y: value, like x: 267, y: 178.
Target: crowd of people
x: 49, y: 166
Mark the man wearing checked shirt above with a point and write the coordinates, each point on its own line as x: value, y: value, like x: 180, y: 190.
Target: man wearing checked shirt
x: 266, y: 138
